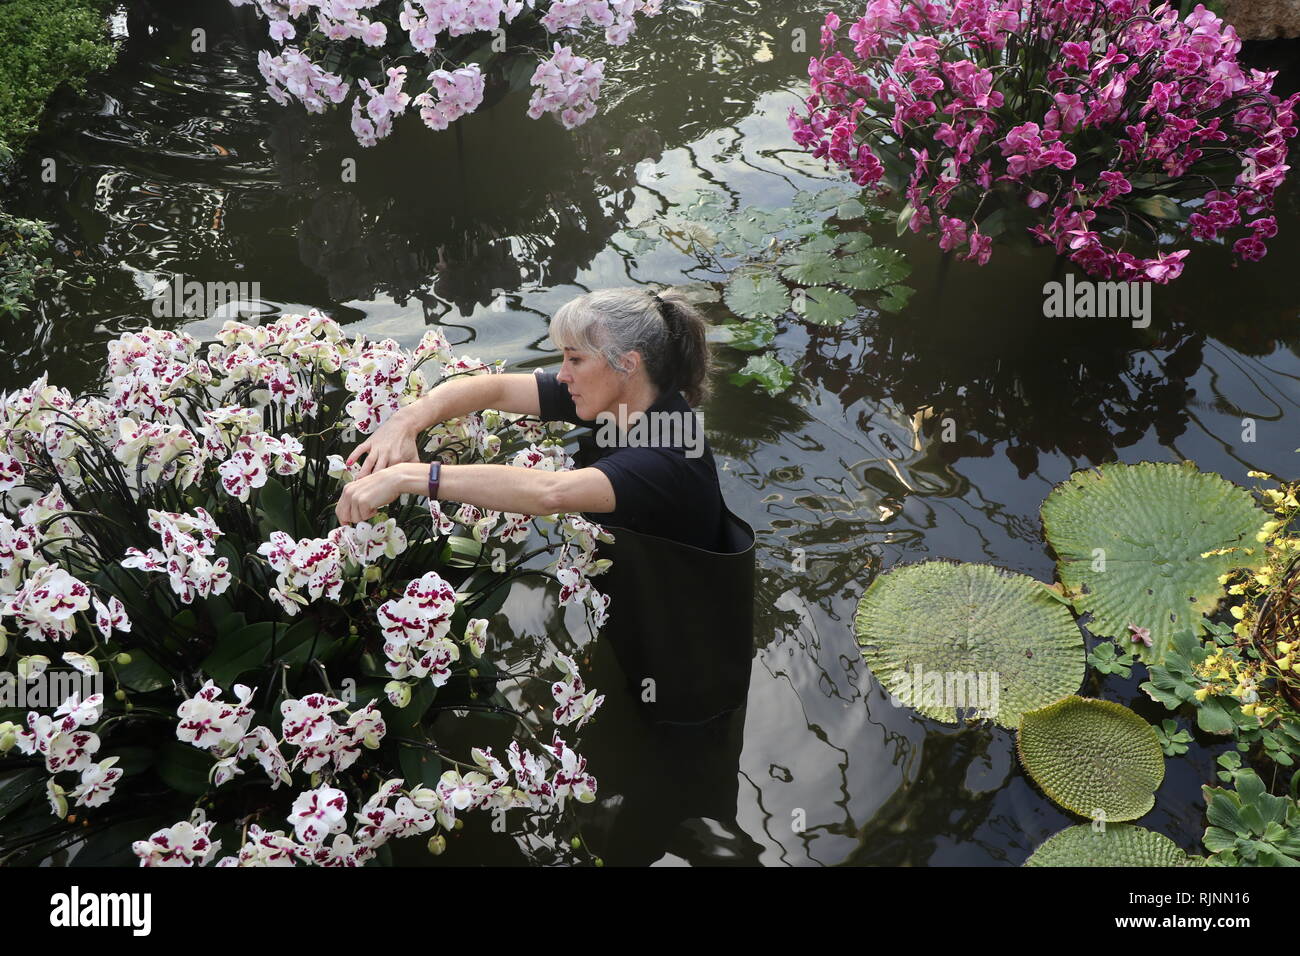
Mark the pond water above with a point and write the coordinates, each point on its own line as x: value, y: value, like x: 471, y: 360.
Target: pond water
x: 176, y: 162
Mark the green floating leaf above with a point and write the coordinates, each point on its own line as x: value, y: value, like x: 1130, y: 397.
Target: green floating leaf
x: 855, y: 242
x: 872, y: 269
x: 1129, y: 540
x: 824, y: 306
x: 754, y: 295
x: 931, y: 632
x: 809, y: 266
x: 767, y: 372
x: 747, y: 336
x: 1119, y: 845
x: 850, y: 209
x: 897, y: 298
x: 1095, y: 758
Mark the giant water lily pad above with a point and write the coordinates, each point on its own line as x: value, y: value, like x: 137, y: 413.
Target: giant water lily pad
x: 753, y: 294
x: 932, y: 632
x: 1119, y: 845
x: 1095, y: 758
x: 1129, y: 540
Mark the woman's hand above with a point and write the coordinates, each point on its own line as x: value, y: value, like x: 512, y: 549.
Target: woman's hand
x: 363, y: 497
x: 393, y: 443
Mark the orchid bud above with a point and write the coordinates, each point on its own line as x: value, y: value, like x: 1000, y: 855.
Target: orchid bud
x: 372, y: 573
x: 123, y: 659
x: 33, y: 666
x: 119, y: 694
x: 399, y: 693
x: 576, y: 843
x: 438, y: 844
x: 8, y: 736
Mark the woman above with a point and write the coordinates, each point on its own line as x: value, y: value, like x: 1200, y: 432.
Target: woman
x: 626, y: 351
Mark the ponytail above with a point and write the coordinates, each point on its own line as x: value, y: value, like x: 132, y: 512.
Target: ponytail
x: 689, y: 362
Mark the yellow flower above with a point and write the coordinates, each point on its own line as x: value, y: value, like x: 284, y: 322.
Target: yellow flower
x: 1262, y: 711
x: 1203, y: 693
x: 1258, y: 474
x: 1223, y: 578
x: 1262, y: 537
x: 1241, y: 629
x: 1284, y: 664
x: 1238, y: 612
x: 1285, y: 647
x: 1248, y: 709
x: 1264, y: 578
x: 1237, y: 589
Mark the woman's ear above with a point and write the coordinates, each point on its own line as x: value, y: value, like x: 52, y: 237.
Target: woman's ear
x: 630, y: 362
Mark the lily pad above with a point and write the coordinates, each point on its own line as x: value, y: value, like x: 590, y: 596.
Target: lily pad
x: 1121, y: 845
x: 809, y: 266
x: 1095, y: 758
x: 767, y: 372
x: 960, y: 624
x: 754, y: 295
x: 826, y: 306
x: 1129, y: 540
x: 872, y: 269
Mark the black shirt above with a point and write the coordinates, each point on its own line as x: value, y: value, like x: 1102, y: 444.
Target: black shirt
x: 659, y: 489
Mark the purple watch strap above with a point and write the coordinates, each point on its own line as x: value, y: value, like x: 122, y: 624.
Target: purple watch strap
x: 435, y: 475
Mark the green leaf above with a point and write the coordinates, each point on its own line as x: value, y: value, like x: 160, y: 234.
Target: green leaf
x: 967, y: 623
x: 143, y: 674
x: 852, y: 243
x: 1159, y: 207
x: 1092, y: 757
x: 1213, y: 717
x: 897, y: 298
x: 1129, y: 540
x: 185, y: 768
x: 753, y: 295
x: 905, y: 217
x: 275, y: 503
x: 808, y: 266
x: 241, y: 651
x: 419, y: 767
x: 852, y: 209
x: 825, y: 306
x: 767, y: 372
x: 873, y: 269
x: 1120, y: 845
x: 748, y: 336
x: 461, y: 552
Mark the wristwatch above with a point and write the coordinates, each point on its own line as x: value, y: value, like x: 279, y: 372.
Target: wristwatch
x: 435, y: 475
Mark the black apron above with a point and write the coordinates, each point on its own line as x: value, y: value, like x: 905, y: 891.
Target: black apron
x: 681, y: 620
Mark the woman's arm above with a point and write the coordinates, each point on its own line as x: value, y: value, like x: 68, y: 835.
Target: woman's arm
x: 529, y: 491
x: 394, y: 441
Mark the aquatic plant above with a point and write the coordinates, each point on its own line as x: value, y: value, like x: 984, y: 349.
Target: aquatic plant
x: 324, y: 47
x: 1131, y: 543
x: 1083, y: 124
x: 794, y: 262
x: 1248, y: 826
x: 934, y: 630
x: 1095, y: 758
x: 1122, y: 844
x: 170, y: 543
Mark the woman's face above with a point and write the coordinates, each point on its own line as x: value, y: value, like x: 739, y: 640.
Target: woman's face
x: 594, y: 386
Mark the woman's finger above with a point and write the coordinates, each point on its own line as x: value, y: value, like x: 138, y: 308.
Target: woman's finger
x: 361, y: 449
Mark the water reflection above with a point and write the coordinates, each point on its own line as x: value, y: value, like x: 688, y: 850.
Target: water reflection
x: 175, y: 162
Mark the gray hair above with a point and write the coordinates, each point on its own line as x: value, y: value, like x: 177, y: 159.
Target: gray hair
x: 663, y: 327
